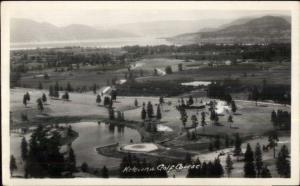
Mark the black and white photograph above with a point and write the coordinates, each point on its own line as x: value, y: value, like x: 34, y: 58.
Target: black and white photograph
x: 141, y: 90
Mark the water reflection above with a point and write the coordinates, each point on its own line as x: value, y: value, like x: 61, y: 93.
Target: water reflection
x: 93, y: 135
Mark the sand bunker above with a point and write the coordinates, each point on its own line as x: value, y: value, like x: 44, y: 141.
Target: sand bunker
x: 163, y: 128
x: 140, y: 147
x: 196, y: 83
x: 222, y: 108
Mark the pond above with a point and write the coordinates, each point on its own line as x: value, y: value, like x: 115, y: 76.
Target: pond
x: 93, y: 135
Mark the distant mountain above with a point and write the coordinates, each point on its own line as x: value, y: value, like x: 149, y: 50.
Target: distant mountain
x: 25, y: 30
x: 266, y: 29
x: 169, y: 28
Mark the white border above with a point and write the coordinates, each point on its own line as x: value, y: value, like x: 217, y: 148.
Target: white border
x: 294, y: 7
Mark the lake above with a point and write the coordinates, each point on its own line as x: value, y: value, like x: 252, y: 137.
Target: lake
x: 92, y: 135
x: 101, y: 43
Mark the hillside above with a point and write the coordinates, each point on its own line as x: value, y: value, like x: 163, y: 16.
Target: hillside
x: 25, y: 30
x: 170, y: 28
x: 267, y: 29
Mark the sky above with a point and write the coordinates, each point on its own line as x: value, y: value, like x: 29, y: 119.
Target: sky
x: 105, y: 15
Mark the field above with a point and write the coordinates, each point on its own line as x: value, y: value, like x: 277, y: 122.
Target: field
x: 250, y: 121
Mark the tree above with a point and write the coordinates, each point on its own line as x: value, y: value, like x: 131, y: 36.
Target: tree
x: 210, y: 147
x: 111, y: 113
x: 24, y: 149
x: 158, y: 113
x: 12, y: 165
x: 40, y: 104
x: 217, y: 170
x: 194, y: 121
x: 56, y: 90
x: 168, y: 70
x: 183, y: 116
x: 265, y: 173
x: 65, y: 96
x: 273, y: 139
x: 136, y: 103
x: 274, y: 118
x: 283, y: 163
x: 72, y: 160
x: 40, y: 86
x: 249, y: 168
x: 191, y: 100
x: 255, y: 94
x: 95, y: 88
x: 84, y: 167
x: 180, y: 67
x: 25, y: 100
x: 229, y: 165
x: 51, y: 91
x: 258, y: 159
x: 27, y: 96
x: 44, y: 98
x: 98, y: 99
x: 237, y: 145
x: 44, y: 158
x: 106, y: 101
x: 105, y: 172
x: 143, y: 113
x: 149, y: 110
x: 217, y: 142
x: 69, y: 87
x: 161, y: 100
x: 233, y: 106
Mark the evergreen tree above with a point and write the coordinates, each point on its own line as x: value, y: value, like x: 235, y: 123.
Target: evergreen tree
x: 69, y: 87
x: 72, y: 160
x: 143, y: 114
x: 56, y: 90
x: 180, y: 67
x: 194, y: 121
x: 40, y: 86
x: 191, y: 100
x: 273, y: 139
x: 218, y: 168
x: 149, y: 110
x: 283, y: 162
x: 44, y: 98
x: 158, y: 113
x: 229, y: 165
x: 237, y: 145
x: 161, y: 100
x: 107, y: 101
x: 27, y: 96
x: 12, y: 165
x: 40, y: 104
x: 98, y: 99
x: 105, y: 172
x: 233, y: 106
x: 217, y: 142
x: 51, y: 91
x: 168, y: 70
x: 25, y: 100
x: 210, y: 147
x: 24, y: 148
x: 84, y: 167
x: 95, y: 89
x: 136, y: 103
x: 249, y: 168
x: 265, y: 172
x: 111, y: 113
x: 258, y: 159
